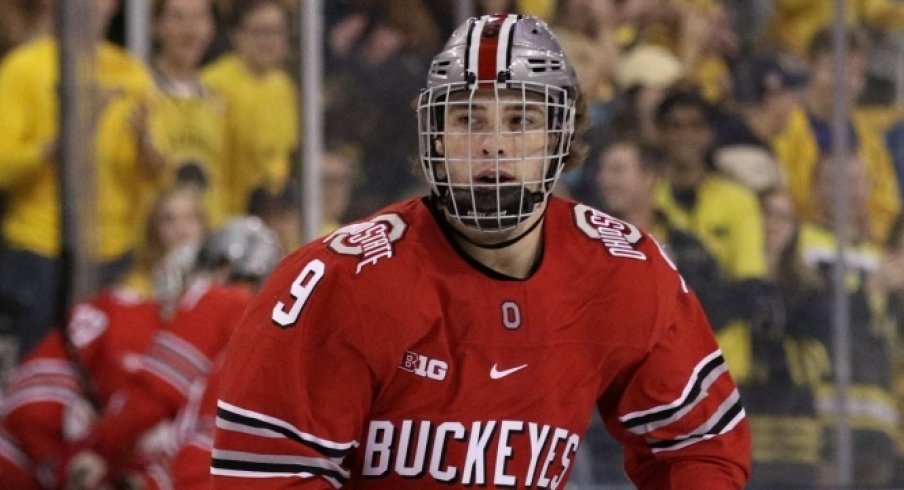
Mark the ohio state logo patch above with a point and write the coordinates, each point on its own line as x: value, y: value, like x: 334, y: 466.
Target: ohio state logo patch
x: 619, y: 237
x: 371, y: 240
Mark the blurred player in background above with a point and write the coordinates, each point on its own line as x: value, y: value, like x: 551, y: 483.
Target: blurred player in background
x: 464, y: 338
x: 55, y: 395
x: 229, y: 266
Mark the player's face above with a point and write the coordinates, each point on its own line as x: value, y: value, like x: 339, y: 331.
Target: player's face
x: 622, y: 180
x: 490, y: 141
x: 180, y: 222
x: 262, y: 38
x: 184, y: 30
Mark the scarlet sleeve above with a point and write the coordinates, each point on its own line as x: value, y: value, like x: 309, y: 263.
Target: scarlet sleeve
x: 179, y: 356
x: 190, y: 466
x: 679, y: 413
x: 47, y: 382
x: 38, y: 391
x: 296, y: 386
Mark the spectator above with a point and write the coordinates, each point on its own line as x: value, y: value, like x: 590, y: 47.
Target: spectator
x: 187, y: 117
x: 586, y: 29
x: 697, y: 32
x: 886, y: 288
x: 282, y: 211
x: 809, y: 134
x: 872, y: 410
x: 644, y: 76
x: 489, y: 7
x: 627, y: 178
x: 375, y: 79
x: 743, y: 145
x: 261, y: 103
x: 21, y: 21
x: 894, y: 140
x: 795, y: 23
x: 788, y: 359
x: 341, y: 176
x: 724, y: 215
x: 126, y: 166
x: 178, y: 217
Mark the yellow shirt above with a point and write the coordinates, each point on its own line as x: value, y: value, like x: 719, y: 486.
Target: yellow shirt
x: 262, y: 128
x: 189, y: 129
x: 796, y: 22
x: 798, y: 152
x: 727, y: 219
x: 29, y: 124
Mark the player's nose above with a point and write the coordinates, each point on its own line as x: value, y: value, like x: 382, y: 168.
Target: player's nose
x: 491, y: 145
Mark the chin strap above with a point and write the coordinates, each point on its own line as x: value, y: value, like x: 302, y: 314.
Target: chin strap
x: 499, y: 245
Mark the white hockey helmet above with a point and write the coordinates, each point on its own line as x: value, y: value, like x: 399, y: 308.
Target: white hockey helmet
x: 518, y: 54
x: 246, y: 245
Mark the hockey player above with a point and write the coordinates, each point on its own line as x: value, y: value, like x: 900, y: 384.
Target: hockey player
x: 55, y: 394
x: 463, y: 339
x: 230, y: 264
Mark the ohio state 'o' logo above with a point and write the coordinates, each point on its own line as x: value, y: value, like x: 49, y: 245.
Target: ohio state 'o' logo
x: 358, y: 238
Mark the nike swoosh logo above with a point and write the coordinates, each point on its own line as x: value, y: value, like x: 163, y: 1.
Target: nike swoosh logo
x: 497, y: 374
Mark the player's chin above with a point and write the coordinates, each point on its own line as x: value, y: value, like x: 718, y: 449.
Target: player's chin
x: 494, y: 209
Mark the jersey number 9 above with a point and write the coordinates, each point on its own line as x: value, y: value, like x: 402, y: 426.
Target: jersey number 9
x: 301, y: 290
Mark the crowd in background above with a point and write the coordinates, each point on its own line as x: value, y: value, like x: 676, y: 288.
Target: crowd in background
x: 710, y: 127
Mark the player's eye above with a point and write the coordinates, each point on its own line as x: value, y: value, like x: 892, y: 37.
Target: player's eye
x: 463, y: 119
x: 526, y: 121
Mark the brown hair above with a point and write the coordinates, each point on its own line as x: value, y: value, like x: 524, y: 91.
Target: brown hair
x: 240, y: 9
x: 579, y: 147
x: 151, y: 250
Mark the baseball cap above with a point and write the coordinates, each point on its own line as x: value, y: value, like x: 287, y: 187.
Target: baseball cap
x: 648, y: 66
x: 768, y: 75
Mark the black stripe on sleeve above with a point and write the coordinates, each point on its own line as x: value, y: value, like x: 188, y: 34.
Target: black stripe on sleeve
x: 691, y: 397
x: 715, y: 430
x: 259, y: 467
x: 261, y: 424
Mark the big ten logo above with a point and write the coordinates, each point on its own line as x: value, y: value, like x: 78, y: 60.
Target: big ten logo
x: 424, y: 366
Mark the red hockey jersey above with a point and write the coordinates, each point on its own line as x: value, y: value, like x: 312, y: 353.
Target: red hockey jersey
x: 180, y: 355
x: 383, y: 357
x: 109, y: 332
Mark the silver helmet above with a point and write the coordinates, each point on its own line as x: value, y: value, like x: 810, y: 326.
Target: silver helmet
x: 515, y: 64
x: 246, y: 245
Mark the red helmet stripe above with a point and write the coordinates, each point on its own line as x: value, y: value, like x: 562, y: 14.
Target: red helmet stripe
x: 487, y: 56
